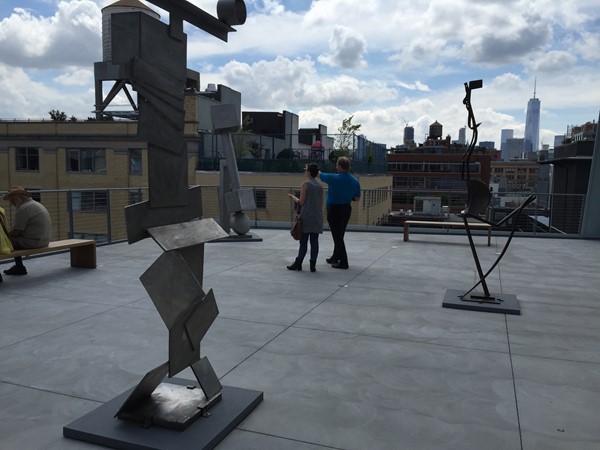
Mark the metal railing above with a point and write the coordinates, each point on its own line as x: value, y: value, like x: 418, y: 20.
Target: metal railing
x: 99, y: 213
x: 290, y: 152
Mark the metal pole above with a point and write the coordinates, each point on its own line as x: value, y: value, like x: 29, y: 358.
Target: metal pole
x: 70, y: 211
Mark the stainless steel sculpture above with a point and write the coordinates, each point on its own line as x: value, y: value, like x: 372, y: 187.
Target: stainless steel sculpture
x: 174, y: 283
x: 152, y: 57
x: 478, y: 200
x: 234, y: 201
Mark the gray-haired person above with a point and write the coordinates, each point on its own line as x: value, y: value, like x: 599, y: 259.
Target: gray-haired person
x: 32, y: 227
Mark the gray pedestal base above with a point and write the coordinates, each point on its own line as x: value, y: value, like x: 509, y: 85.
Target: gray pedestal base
x: 248, y: 237
x: 507, y: 303
x: 101, y: 428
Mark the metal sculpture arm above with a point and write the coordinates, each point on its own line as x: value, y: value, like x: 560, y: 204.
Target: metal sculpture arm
x: 479, y: 195
x: 229, y: 12
x: 473, y: 125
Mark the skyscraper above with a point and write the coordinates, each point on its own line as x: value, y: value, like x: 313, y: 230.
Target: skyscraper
x: 409, y: 135
x: 462, y: 136
x: 532, y: 124
x: 506, y: 134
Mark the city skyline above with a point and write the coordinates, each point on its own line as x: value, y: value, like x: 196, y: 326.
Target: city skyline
x: 386, y: 65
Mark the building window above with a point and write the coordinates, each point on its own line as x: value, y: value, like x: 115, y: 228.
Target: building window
x: 89, y: 201
x: 260, y: 197
x: 90, y: 160
x: 135, y: 161
x: 27, y: 159
x: 135, y: 197
x: 401, y: 182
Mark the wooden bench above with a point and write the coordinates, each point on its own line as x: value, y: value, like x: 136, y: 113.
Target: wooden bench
x: 83, y: 251
x: 430, y: 223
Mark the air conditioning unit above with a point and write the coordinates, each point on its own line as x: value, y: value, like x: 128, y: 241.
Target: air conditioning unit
x: 428, y: 205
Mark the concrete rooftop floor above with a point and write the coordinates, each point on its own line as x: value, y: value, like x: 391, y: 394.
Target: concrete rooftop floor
x: 364, y: 358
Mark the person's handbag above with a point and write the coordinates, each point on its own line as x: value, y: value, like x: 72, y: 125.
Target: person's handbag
x: 6, y: 246
x: 297, y: 230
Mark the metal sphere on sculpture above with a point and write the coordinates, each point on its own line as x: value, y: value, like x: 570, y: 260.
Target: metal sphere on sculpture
x: 240, y: 223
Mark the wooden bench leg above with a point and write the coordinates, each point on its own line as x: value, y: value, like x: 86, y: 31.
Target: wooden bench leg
x: 406, y: 232
x: 84, y: 256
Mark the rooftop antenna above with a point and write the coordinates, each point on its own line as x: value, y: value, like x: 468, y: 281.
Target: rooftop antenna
x: 534, y: 86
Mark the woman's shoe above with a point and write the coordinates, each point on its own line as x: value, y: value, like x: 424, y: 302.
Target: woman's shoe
x: 297, y: 265
x: 313, y: 265
x: 332, y: 260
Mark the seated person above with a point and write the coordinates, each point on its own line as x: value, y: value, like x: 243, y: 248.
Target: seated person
x: 5, y: 244
x: 32, y: 227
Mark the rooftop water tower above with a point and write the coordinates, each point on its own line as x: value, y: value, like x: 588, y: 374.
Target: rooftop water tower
x: 106, y: 70
x: 122, y: 6
x: 435, y: 130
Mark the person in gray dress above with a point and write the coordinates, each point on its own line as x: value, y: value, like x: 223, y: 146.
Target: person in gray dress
x: 311, y: 213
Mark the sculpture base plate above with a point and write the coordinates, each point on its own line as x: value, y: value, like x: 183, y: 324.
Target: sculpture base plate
x: 506, y: 303
x: 248, y: 237
x: 171, y: 406
x: 100, y: 427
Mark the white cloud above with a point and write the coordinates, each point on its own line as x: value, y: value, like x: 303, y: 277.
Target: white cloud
x: 416, y: 86
x: 76, y: 77
x: 70, y: 37
x: 588, y: 46
x: 25, y: 98
x: 510, y: 45
x: 554, y: 61
x: 347, y: 49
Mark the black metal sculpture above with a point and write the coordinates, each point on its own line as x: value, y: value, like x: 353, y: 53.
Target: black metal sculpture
x: 478, y: 200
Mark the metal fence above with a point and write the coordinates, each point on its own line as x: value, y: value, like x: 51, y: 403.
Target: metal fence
x: 99, y: 213
x: 290, y: 152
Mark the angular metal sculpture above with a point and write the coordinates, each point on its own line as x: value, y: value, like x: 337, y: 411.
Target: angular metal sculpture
x: 151, y: 56
x: 174, y: 283
x: 234, y: 201
x: 478, y: 200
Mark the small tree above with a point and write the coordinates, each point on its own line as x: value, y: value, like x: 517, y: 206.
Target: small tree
x: 57, y: 116
x: 345, y: 138
x: 287, y: 153
x: 243, y: 138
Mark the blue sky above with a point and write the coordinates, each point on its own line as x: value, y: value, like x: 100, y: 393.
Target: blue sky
x: 386, y: 63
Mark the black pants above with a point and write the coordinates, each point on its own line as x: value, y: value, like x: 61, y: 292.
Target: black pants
x: 338, y: 217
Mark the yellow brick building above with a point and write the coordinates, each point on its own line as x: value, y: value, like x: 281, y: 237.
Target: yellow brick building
x: 89, y: 171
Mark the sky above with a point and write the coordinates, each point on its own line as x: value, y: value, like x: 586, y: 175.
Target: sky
x: 385, y: 63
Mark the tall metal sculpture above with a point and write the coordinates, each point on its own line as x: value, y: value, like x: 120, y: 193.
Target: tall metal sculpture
x: 478, y: 200
x: 234, y: 201
x: 151, y: 55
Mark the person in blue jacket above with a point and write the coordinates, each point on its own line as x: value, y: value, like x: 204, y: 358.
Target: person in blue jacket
x: 343, y: 189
